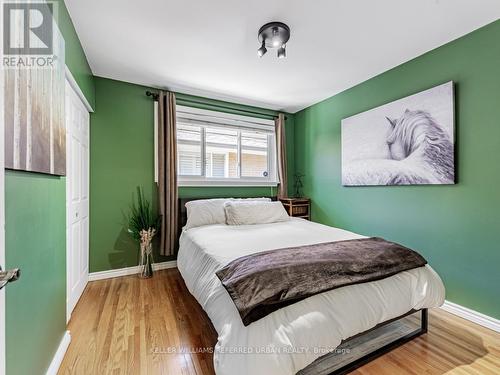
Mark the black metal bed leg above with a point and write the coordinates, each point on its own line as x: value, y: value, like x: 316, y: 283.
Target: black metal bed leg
x: 424, y: 324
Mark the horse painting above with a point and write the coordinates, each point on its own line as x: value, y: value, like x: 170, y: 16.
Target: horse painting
x: 420, y: 152
x: 415, y: 150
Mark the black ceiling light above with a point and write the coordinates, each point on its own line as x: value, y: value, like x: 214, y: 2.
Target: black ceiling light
x: 273, y: 35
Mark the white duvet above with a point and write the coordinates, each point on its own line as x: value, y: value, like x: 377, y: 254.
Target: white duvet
x: 291, y: 338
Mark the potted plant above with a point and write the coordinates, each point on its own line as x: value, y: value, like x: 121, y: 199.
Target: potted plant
x: 143, y: 225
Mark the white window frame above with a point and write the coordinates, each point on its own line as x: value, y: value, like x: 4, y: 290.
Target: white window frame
x: 208, y: 118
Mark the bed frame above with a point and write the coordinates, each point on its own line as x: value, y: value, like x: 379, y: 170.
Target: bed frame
x: 371, y: 338
x: 379, y: 340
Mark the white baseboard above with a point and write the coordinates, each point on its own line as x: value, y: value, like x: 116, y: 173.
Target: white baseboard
x: 59, y: 356
x: 93, y: 276
x: 471, y: 315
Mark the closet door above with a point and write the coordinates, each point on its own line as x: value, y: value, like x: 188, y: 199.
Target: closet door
x: 77, y: 197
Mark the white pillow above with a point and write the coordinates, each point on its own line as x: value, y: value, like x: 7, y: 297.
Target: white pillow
x: 205, y: 212
x: 243, y: 213
x: 210, y: 211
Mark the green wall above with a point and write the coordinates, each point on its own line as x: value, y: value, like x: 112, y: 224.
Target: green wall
x: 35, y: 240
x: 121, y: 158
x: 454, y: 227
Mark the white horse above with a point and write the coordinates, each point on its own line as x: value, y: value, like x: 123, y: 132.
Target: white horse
x: 420, y: 152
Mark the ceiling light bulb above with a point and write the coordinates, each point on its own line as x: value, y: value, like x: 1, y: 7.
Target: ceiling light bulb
x: 282, y: 52
x: 262, y: 50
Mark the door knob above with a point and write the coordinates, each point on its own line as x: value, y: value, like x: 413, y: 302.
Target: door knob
x: 9, y: 276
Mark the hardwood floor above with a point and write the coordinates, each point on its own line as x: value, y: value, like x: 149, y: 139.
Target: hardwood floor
x: 127, y: 325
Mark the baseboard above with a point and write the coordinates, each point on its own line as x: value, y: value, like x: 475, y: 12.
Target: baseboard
x: 59, y: 356
x: 93, y: 276
x: 471, y: 315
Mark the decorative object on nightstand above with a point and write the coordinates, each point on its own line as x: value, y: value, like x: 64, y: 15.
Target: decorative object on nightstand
x: 297, y: 207
x: 297, y: 184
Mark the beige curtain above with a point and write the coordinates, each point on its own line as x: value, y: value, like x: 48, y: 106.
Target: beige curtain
x: 167, y: 173
x: 281, y: 155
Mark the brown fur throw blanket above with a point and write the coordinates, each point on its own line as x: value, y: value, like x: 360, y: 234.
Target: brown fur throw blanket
x: 267, y: 281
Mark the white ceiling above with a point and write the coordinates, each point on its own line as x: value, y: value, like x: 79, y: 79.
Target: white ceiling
x: 208, y: 47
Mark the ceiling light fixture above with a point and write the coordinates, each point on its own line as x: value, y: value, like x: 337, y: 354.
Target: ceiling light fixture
x: 273, y: 35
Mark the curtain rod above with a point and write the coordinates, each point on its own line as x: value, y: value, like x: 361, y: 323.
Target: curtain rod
x: 155, y: 97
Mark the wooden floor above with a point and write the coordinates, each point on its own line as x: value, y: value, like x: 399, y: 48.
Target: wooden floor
x: 128, y: 326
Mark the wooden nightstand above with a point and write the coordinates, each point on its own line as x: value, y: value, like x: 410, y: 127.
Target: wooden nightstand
x: 297, y: 207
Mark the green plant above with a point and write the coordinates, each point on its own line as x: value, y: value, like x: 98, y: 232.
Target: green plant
x: 143, y: 225
x: 142, y: 217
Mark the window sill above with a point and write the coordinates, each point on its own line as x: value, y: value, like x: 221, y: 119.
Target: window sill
x: 215, y: 183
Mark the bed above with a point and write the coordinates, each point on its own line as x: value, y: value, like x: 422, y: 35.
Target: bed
x: 302, y: 335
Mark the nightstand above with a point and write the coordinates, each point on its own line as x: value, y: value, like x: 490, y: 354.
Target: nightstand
x: 297, y: 207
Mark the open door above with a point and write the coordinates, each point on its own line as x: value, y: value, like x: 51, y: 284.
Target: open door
x: 2, y: 229
x: 5, y: 276
x: 2, y: 209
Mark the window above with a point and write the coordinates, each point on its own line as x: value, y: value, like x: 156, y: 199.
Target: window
x: 189, y: 149
x: 216, y: 148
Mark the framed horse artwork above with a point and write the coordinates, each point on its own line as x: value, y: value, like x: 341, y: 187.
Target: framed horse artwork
x: 407, y: 142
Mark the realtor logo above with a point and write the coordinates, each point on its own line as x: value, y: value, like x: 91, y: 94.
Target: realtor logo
x: 27, y: 28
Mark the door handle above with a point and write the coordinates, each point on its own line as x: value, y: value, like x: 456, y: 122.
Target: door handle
x: 9, y: 276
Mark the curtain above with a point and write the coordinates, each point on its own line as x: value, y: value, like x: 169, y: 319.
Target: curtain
x: 167, y: 173
x: 281, y: 155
